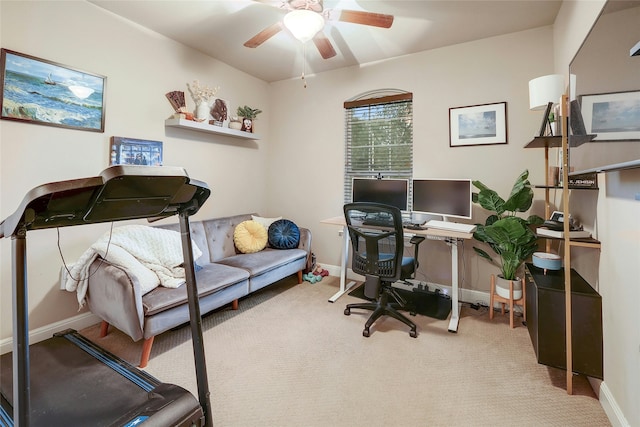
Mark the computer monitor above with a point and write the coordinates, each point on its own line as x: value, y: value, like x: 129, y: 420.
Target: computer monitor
x: 449, y: 198
x: 394, y: 192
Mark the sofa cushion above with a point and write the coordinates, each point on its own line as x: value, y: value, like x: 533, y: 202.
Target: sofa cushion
x: 250, y: 236
x: 263, y: 261
x: 210, y: 278
x: 284, y: 234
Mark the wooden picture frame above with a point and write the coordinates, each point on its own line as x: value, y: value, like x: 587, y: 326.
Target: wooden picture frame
x: 612, y: 116
x: 42, y: 92
x: 130, y: 151
x: 484, y: 124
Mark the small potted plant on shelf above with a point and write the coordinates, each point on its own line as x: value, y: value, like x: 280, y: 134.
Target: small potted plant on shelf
x: 509, y: 235
x: 248, y: 115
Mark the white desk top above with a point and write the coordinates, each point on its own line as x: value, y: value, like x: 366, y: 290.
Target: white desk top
x: 339, y: 220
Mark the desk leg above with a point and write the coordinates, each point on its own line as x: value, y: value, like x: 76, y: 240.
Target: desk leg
x: 455, y: 305
x: 344, y: 286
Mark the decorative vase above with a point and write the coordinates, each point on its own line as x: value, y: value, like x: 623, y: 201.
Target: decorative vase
x: 502, y: 287
x: 202, y: 111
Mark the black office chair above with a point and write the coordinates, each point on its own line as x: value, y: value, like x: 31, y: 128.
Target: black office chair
x: 377, y: 240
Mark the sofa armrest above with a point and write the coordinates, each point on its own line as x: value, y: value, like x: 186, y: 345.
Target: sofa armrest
x: 305, y: 239
x: 114, y: 296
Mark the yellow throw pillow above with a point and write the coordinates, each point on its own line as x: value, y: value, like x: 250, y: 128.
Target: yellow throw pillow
x: 250, y: 236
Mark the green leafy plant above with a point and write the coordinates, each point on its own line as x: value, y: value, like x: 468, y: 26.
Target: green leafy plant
x: 248, y: 112
x: 509, y: 235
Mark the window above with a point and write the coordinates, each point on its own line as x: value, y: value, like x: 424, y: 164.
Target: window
x: 378, y: 138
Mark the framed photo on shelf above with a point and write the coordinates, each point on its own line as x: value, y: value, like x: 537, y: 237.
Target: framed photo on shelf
x: 129, y: 151
x: 42, y: 92
x: 612, y: 116
x: 478, y: 125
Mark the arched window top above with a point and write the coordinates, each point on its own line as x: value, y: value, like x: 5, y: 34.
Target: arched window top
x: 378, y: 96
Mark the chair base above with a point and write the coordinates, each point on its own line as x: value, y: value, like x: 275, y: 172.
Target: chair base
x: 382, y: 307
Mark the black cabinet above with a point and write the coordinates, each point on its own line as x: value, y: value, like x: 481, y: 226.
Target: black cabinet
x: 546, y: 320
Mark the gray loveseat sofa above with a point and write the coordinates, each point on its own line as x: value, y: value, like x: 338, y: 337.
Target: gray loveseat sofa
x: 223, y: 276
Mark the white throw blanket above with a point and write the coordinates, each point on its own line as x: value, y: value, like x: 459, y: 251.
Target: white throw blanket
x: 152, y: 255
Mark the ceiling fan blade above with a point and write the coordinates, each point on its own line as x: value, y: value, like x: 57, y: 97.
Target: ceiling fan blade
x: 264, y: 35
x: 324, y: 45
x: 365, y: 18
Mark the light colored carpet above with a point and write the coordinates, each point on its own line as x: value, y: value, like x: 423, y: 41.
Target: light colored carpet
x: 288, y: 357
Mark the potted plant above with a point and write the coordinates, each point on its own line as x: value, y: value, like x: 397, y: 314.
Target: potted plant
x: 248, y: 115
x: 509, y: 235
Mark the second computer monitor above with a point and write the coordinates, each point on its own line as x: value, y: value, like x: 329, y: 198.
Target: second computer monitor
x: 449, y: 198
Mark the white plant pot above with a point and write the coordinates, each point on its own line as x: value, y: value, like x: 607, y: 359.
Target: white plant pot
x: 502, y: 288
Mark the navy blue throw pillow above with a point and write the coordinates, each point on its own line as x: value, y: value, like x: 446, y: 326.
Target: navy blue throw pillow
x: 284, y: 234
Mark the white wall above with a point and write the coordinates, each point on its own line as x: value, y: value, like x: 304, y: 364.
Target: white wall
x: 141, y: 67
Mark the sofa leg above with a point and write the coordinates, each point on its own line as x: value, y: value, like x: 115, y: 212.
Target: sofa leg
x: 299, y: 277
x: 234, y: 304
x: 104, y: 329
x: 146, y: 352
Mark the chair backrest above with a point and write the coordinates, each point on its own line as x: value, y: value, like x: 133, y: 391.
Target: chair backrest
x: 377, y: 239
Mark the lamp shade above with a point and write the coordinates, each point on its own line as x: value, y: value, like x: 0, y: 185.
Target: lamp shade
x: 304, y: 24
x: 545, y: 89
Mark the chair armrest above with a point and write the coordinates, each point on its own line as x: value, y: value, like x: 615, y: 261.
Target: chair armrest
x: 416, y: 240
x: 114, y: 296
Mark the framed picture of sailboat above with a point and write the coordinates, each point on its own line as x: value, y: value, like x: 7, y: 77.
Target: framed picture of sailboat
x: 42, y: 92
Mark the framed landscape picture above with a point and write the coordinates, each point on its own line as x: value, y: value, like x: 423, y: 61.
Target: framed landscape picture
x: 42, y: 92
x: 478, y: 125
x: 612, y: 116
x: 130, y: 151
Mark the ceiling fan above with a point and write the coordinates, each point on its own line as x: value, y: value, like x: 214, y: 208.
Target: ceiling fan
x: 306, y: 18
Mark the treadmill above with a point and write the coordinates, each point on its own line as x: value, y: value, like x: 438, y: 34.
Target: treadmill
x: 67, y: 380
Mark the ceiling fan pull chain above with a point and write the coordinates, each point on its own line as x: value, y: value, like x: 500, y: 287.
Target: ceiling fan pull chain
x: 304, y: 63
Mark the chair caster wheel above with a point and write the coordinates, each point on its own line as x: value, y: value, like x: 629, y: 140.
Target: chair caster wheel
x: 365, y: 332
x: 413, y: 333
x: 347, y: 312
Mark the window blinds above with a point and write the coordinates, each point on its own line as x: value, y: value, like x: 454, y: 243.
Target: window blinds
x: 378, y: 139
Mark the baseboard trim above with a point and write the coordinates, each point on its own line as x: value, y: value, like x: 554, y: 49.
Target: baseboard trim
x: 611, y: 408
x: 78, y: 322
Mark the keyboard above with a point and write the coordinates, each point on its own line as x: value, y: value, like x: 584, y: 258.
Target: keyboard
x: 450, y: 226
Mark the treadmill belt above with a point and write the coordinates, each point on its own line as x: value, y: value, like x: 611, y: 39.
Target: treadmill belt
x: 76, y: 383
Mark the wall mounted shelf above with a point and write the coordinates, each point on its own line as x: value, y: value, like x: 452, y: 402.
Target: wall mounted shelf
x: 207, y: 128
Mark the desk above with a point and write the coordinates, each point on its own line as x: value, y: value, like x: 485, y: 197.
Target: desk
x: 452, y: 238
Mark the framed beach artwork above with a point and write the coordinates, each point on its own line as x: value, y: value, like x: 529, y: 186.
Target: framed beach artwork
x: 130, y: 151
x: 612, y: 116
x: 478, y: 125
x: 42, y: 92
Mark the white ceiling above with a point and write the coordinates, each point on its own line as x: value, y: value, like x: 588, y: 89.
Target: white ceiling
x: 219, y: 28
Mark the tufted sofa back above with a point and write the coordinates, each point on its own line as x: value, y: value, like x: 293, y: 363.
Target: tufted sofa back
x: 214, y: 237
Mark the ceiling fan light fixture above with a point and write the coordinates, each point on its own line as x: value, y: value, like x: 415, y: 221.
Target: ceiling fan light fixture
x: 304, y: 24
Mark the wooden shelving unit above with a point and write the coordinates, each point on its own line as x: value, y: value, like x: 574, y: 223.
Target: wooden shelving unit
x: 207, y: 128
x: 563, y: 142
